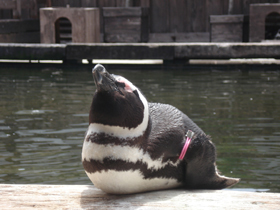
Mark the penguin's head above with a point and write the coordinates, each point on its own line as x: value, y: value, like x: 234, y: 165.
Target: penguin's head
x: 117, y: 102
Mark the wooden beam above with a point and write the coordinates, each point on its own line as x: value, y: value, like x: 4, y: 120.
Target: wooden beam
x: 32, y: 51
x: 169, y: 51
x: 22, y: 37
x: 120, y: 51
x: 17, y: 26
x: 227, y: 50
x: 165, y: 51
x: 88, y: 197
x: 122, y: 12
x: 16, y: 4
x: 179, y: 37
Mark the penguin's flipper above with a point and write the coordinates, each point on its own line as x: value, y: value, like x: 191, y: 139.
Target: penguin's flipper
x: 201, y: 171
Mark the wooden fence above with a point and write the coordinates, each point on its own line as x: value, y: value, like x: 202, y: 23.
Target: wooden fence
x: 175, y: 16
x: 166, y: 16
x: 169, y: 20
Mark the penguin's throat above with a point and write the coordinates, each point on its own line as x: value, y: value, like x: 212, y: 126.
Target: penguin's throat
x: 123, y: 132
x: 117, y: 131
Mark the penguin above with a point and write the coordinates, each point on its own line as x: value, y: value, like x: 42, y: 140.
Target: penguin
x: 133, y: 146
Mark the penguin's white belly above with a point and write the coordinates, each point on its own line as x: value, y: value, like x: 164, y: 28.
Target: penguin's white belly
x: 126, y: 182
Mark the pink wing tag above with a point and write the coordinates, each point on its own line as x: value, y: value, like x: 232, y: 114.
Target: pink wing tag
x: 189, y: 136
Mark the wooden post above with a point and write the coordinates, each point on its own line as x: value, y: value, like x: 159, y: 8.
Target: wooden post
x: 49, y: 3
x: 34, y: 10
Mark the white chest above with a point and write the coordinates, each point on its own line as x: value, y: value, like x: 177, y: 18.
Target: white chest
x: 127, y: 182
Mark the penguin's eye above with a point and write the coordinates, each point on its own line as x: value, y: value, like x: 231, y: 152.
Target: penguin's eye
x: 120, y: 84
x: 136, y: 93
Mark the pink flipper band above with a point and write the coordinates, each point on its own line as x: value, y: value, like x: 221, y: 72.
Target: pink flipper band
x: 189, y: 136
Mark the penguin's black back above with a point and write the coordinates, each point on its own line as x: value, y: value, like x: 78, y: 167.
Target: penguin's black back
x: 168, y: 129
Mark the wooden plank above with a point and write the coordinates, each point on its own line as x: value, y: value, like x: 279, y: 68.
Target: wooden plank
x: 58, y: 3
x: 122, y: 12
x: 237, y: 7
x: 23, y: 37
x: 16, y: 26
x: 32, y: 51
x: 122, y: 37
x: 17, y: 10
x: 145, y: 24
x: 88, y: 197
x: 6, y: 14
x: 197, y: 11
x: 48, y: 3
x: 120, y: 51
x: 88, y: 3
x: 165, y: 51
x: 107, y: 3
x: 226, y: 18
x: 159, y: 16
x: 179, y: 37
x: 7, y: 4
x: 125, y: 24
x: 74, y: 3
x: 124, y: 3
x: 144, y: 3
x: 12, y: 4
x: 227, y: 50
x: 168, y: 51
x: 101, y: 4
x: 226, y: 32
x: 122, y: 25
x: 215, y: 7
x: 179, y: 18
x: 63, y: 3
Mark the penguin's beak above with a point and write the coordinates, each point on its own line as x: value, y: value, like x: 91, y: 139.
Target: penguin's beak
x: 103, y: 80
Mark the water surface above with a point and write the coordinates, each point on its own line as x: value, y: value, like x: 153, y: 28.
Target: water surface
x: 44, y: 116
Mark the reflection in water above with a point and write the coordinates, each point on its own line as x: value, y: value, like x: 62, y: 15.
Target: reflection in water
x: 44, y: 116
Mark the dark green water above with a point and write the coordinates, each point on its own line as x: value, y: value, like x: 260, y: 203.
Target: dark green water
x: 44, y: 115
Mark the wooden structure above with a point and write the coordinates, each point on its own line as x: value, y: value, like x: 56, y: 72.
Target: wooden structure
x: 226, y: 28
x: 18, y: 5
x: 88, y: 197
x: 19, y: 31
x: 258, y: 15
x: 85, y: 24
x: 19, y: 28
x: 175, y: 20
x: 169, y: 20
x: 129, y: 24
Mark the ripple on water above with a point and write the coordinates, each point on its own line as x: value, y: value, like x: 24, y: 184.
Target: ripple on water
x: 36, y: 111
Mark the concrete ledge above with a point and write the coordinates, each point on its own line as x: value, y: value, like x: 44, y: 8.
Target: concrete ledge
x: 165, y: 51
x: 120, y: 51
x: 88, y: 197
x: 228, y: 50
x: 169, y: 51
x: 33, y: 51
